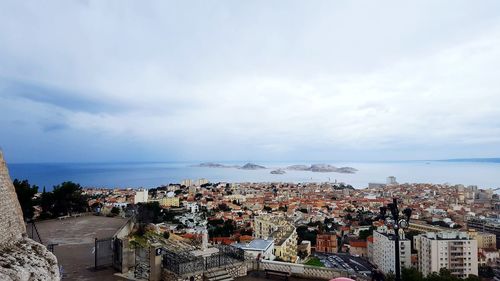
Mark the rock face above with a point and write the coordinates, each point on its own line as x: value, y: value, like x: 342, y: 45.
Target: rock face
x: 21, y: 259
x: 11, y: 216
x: 25, y: 260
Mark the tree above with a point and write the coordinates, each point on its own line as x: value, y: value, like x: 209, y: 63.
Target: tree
x: 486, y: 271
x: 148, y: 213
x: 25, y: 194
x: 68, y: 198
x: 411, y: 274
x: 115, y: 211
x: 363, y: 234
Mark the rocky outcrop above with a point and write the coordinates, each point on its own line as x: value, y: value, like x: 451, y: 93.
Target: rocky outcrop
x: 11, y: 216
x: 278, y: 172
x: 25, y: 260
x: 251, y: 166
x: 21, y: 259
x: 322, y: 168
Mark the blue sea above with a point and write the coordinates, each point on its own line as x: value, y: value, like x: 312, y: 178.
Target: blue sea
x: 484, y: 174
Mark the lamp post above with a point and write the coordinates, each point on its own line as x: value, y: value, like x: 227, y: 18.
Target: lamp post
x: 397, y: 223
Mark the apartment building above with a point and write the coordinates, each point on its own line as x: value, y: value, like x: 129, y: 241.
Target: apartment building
x: 452, y: 250
x: 326, y: 243
x: 141, y: 196
x: 484, y: 240
x: 281, y: 231
x: 486, y: 225
x: 384, y: 251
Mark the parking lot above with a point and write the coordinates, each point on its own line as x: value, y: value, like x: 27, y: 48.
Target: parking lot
x: 346, y: 262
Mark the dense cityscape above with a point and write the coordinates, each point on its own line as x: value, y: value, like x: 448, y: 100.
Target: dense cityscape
x: 451, y: 230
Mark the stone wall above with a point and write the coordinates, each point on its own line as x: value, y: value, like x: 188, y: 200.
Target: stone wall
x: 11, y: 216
x: 20, y: 257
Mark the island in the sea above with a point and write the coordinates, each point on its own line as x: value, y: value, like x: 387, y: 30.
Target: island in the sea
x: 251, y: 166
x: 278, y: 172
x: 214, y: 165
x: 323, y: 168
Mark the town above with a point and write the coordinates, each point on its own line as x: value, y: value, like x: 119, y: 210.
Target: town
x: 327, y: 225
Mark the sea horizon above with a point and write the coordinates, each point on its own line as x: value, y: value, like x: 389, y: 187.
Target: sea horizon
x: 150, y: 174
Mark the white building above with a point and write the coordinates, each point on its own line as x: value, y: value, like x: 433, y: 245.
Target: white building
x: 452, y: 250
x: 258, y: 248
x: 391, y: 180
x: 187, y: 182
x: 141, y: 196
x: 200, y: 182
x: 193, y: 207
x: 384, y: 251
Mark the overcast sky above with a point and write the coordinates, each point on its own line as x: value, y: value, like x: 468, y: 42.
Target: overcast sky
x: 85, y: 81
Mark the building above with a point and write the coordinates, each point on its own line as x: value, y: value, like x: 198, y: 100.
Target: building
x: 326, y: 243
x: 285, y: 247
x: 384, y: 251
x: 391, y: 180
x: 423, y: 227
x: 169, y: 202
x: 187, y: 182
x: 141, y: 196
x: 281, y: 231
x: 258, y: 248
x: 358, y: 248
x: 452, y: 250
x: 484, y: 240
x: 200, y: 182
x: 486, y: 225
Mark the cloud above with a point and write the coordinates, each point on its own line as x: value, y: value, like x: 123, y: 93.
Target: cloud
x: 246, y: 81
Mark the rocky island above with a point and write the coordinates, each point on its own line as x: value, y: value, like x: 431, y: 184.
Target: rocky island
x: 213, y: 165
x: 322, y: 168
x: 251, y: 166
x: 278, y: 172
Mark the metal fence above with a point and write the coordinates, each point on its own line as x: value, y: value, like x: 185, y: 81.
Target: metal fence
x: 32, y: 232
x: 183, y: 263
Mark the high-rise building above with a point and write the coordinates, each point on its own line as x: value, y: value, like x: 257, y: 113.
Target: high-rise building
x: 200, y: 182
x: 384, y: 254
x: 141, y: 196
x: 452, y: 250
x: 391, y: 180
x: 187, y: 182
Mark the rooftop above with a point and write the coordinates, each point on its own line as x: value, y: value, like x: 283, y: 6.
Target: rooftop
x: 257, y: 244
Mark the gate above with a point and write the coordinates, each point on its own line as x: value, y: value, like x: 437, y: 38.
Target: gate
x: 117, y: 254
x: 103, y: 251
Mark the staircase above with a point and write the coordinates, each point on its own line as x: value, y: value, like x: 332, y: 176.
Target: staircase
x: 218, y: 274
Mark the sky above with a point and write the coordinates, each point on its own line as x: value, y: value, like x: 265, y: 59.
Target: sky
x: 107, y: 81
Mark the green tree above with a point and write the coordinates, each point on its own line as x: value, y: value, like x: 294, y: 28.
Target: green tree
x: 25, y: 194
x: 363, y: 234
x: 486, y: 271
x: 411, y: 274
x: 68, y: 198
x: 115, y: 211
x: 148, y: 213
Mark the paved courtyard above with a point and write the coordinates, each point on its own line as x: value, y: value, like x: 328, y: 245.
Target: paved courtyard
x: 75, y: 251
